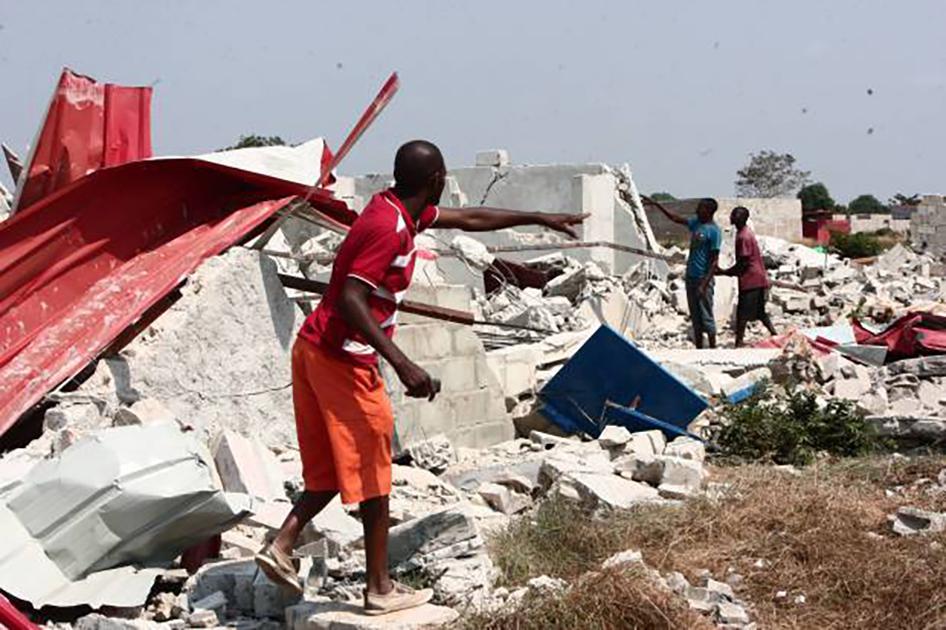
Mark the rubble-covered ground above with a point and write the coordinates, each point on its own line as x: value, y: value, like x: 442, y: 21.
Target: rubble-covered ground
x: 548, y: 531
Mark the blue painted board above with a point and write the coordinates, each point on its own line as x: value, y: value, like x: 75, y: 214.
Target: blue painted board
x: 607, y: 373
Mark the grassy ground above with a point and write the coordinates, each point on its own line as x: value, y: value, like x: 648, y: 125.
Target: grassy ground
x: 822, y: 534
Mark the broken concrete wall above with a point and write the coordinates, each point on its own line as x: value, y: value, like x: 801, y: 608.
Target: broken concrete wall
x: 777, y: 216
x: 928, y: 225
x: 220, y: 356
x: 874, y: 222
x: 470, y: 409
x: 573, y: 188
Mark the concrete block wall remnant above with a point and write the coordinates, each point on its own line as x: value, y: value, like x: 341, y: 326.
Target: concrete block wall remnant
x: 874, y: 222
x: 777, y: 216
x: 928, y: 225
x: 471, y: 408
x: 593, y: 188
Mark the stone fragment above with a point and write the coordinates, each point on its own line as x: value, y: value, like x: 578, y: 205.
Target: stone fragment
x: 502, y: 499
x: 164, y: 606
x: 247, y: 465
x: 647, y: 442
x: 556, y: 465
x: 614, y: 437
x: 569, y: 283
x: 610, y: 491
x: 623, y: 559
x: 144, y: 411
x: 908, y: 521
x: 686, y: 448
x: 547, y: 440
x: 329, y: 615
x: 203, y: 618
x: 78, y: 416
x: 547, y: 585
x: 681, y: 477
x: 216, y: 602
x: 270, y: 600
x: 730, y: 613
x: 640, y: 467
x: 97, y: 621
x: 430, y: 534
x: 854, y: 382
x: 465, y: 581
x: 435, y: 454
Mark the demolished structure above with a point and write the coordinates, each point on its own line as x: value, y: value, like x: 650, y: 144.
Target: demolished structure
x: 144, y: 348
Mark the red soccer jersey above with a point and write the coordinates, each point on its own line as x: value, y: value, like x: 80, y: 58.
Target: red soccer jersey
x: 755, y: 276
x: 379, y: 250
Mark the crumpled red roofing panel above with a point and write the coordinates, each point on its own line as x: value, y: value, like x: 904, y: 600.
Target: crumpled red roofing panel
x: 86, y: 262
x: 88, y: 126
x: 913, y: 335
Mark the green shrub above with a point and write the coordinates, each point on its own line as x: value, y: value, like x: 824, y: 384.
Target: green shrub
x: 859, y: 245
x: 790, y: 427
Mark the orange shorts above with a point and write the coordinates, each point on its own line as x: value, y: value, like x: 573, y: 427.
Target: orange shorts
x: 344, y: 422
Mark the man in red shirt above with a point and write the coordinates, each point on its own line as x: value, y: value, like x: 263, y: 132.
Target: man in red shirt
x: 753, y: 278
x: 344, y: 419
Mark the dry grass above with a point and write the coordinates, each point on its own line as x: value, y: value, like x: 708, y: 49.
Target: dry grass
x: 597, y: 601
x: 823, y: 535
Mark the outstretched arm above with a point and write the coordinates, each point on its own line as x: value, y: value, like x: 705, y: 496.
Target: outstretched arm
x: 673, y: 216
x: 483, y: 219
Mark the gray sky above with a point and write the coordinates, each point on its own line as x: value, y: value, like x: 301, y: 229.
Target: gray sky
x: 684, y: 91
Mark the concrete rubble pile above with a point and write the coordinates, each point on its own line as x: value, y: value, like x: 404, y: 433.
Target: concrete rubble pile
x: 215, y: 369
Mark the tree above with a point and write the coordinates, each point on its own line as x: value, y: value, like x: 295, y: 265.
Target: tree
x: 254, y: 140
x: 902, y: 200
x: 815, y: 197
x: 663, y: 196
x: 770, y: 174
x: 867, y: 204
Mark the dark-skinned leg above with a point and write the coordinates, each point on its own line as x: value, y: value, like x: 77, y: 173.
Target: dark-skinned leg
x: 376, y: 521
x: 740, y: 331
x: 712, y: 339
x: 768, y: 324
x: 305, y: 509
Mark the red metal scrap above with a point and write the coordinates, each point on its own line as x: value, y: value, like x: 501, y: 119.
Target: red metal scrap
x: 88, y: 126
x: 86, y: 262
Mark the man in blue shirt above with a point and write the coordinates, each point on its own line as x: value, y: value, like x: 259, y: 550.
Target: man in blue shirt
x: 705, y: 241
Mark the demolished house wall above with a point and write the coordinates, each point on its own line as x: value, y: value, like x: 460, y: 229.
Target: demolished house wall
x: 593, y: 188
x: 470, y: 410
x: 928, y: 225
x: 776, y: 216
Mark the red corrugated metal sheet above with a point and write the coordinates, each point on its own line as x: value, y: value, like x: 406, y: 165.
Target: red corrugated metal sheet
x: 84, y: 263
x: 88, y: 126
x: 910, y: 336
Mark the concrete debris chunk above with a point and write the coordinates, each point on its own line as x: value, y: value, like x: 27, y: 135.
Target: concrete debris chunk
x: 246, y: 465
x: 686, y: 448
x: 681, y: 477
x: 623, y: 559
x: 614, y: 437
x: 144, y: 411
x: 435, y: 454
x: 428, y: 535
x: 329, y: 615
x: 503, y: 499
x: 216, y: 601
x: 609, y: 491
x: 646, y: 468
x: 730, y: 613
x: 909, y: 521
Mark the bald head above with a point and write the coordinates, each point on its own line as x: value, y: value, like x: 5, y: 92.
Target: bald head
x: 419, y: 169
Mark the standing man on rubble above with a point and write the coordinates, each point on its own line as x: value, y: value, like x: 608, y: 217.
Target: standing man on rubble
x: 344, y: 418
x: 705, y: 241
x: 753, y: 278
